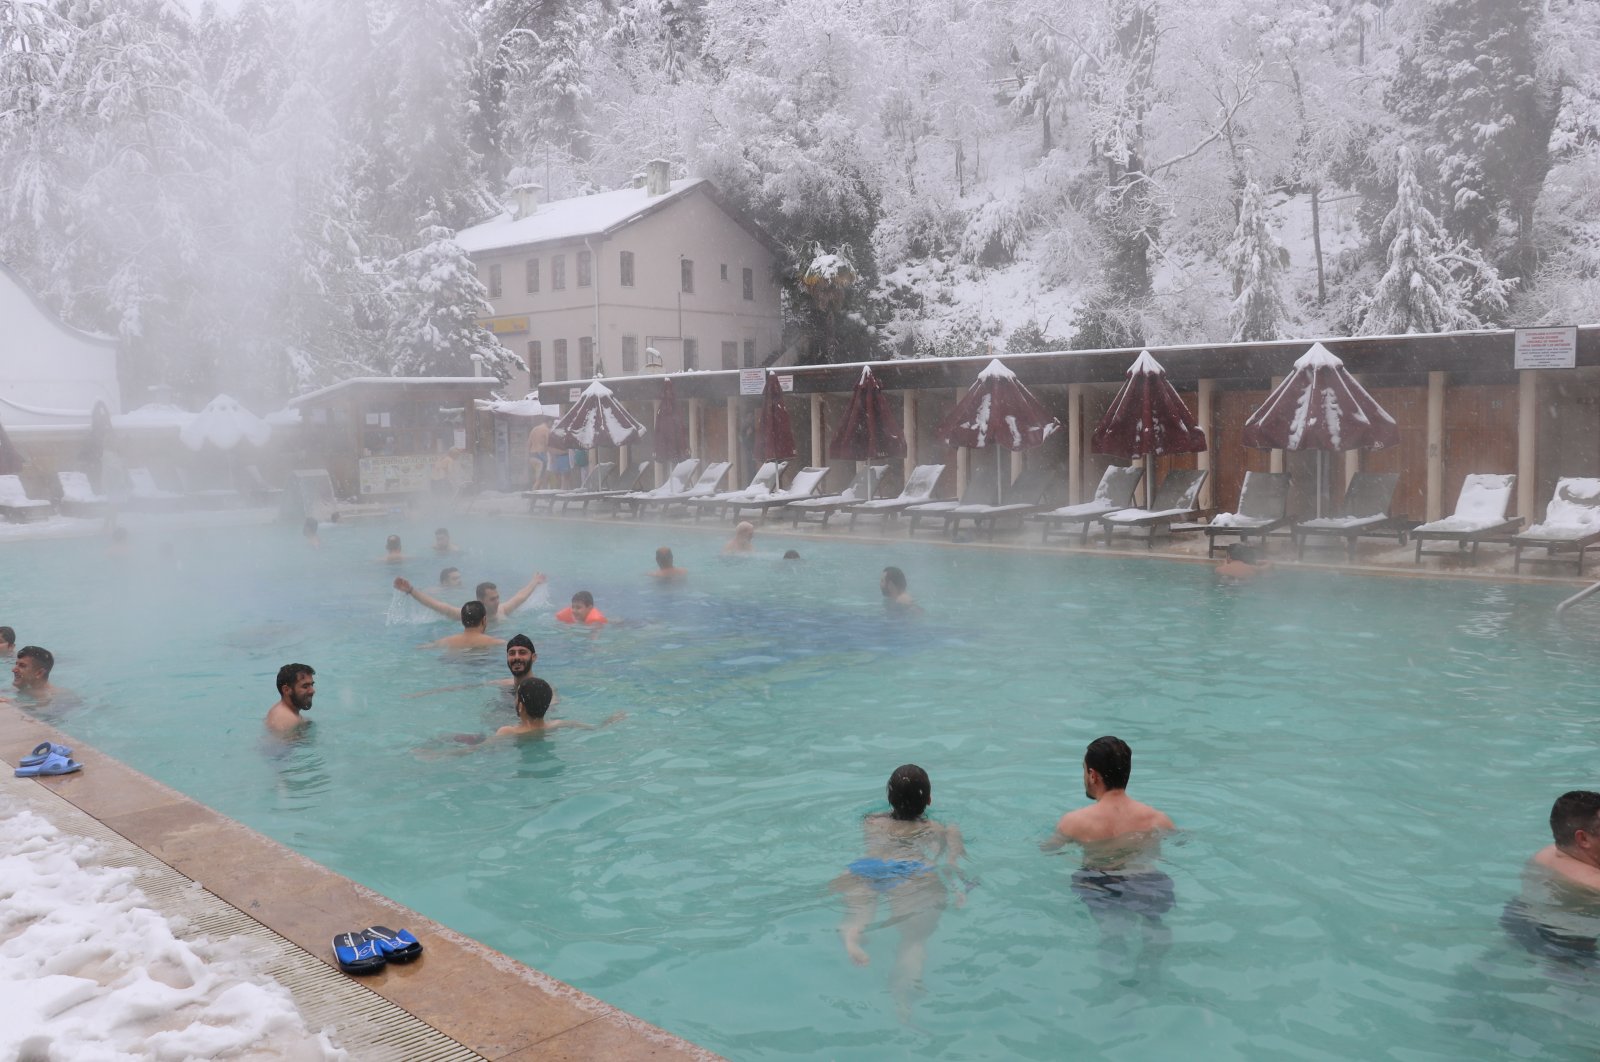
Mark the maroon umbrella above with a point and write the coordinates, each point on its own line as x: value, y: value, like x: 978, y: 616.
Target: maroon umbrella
x: 774, y: 435
x: 672, y: 431
x: 997, y: 411
x: 1147, y: 418
x: 869, y: 429
x: 597, y: 419
x: 1321, y: 407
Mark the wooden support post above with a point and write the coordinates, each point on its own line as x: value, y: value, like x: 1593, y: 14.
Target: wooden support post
x: 817, y: 440
x: 908, y: 424
x: 1203, y: 459
x: 1277, y: 455
x: 1527, y: 443
x: 1075, y: 443
x: 1435, y: 503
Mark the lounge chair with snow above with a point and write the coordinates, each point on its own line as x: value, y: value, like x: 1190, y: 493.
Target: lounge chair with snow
x: 1114, y: 492
x: 256, y: 486
x: 1025, y: 496
x: 143, y: 493
x: 202, y: 493
x: 1571, y: 524
x: 1174, y: 501
x: 595, y: 477
x: 1364, y: 511
x: 1263, y: 508
x: 805, y: 485
x: 16, y: 506
x: 677, y: 481
x: 1480, y: 516
x: 762, y: 484
x: 919, y: 488
x: 627, y: 484
x: 980, y: 491
x: 78, y: 497
x: 710, y: 478
x: 826, y: 505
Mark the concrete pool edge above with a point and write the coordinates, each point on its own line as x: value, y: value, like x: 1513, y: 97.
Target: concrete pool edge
x: 486, y: 1001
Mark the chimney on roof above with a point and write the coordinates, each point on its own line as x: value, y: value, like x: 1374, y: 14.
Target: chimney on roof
x: 525, y: 200
x: 638, y: 180
x: 658, y: 177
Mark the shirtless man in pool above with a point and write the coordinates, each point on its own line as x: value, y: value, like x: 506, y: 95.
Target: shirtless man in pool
x: 474, y: 617
x: 487, y: 593
x: 1557, y: 911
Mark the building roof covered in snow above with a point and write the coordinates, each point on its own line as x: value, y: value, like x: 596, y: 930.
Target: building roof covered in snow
x: 51, y: 374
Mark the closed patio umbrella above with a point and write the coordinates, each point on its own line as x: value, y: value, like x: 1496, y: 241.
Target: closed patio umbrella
x: 671, y: 436
x: 597, y: 419
x: 869, y: 430
x: 1146, y: 419
x: 998, y: 411
x: 774, y: 433
x: 1320, y: 407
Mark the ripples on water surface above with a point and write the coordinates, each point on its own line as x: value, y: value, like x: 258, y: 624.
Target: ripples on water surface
x: 1359, y: 768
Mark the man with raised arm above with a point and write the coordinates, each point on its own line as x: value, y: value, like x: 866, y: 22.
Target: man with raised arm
x: 297, y: 685
x: 487, y: 594
x: 474, y: 617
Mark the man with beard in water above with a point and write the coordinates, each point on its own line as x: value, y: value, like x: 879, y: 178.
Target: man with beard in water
x: 1120, y: 839
x: 520, y: 655
x: 1557, y: 914
x: 296, y: 687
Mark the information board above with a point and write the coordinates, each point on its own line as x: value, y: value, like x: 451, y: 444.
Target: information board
x: 754, y: 381
x: 404, y: 473
x: 1546, y: 348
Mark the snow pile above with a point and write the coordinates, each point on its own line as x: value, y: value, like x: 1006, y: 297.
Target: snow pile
x: 1574, y: 511
x: 1146, y: 365
x: 1318, y: 357
x: 87, y: 971
x: 996, y: 371
x: 830, y: 267
x: 224, y: 423
x: 1483, y: 503
x: 1236, y: 520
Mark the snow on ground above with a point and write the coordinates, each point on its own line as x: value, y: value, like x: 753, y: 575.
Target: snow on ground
x: 89, y: 971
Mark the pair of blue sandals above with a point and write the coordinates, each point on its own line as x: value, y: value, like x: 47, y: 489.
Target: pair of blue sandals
x: 370, y: 950
x: 47, y: 758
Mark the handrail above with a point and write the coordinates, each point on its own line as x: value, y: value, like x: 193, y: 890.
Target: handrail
x: 1575, y: 598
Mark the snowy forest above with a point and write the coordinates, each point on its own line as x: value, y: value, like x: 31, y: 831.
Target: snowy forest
x: 260, y: 196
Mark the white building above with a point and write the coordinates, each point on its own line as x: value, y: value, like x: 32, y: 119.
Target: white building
x: 51, y: 375
x: 667, y: 266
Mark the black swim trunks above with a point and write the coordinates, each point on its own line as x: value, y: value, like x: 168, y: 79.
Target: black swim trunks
x: 1540, y: 939
x: 1145, y: 892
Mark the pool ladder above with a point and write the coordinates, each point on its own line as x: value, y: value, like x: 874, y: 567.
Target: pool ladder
x: 1575, y: 598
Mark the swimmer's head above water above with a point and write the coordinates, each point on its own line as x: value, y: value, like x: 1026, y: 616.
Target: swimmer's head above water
x: 1107, y: 764
x: 1575, y: 822
x: 520, y: 655
x: 910, y: 792
x: 392, y: 544
x: 582, y: 605
x: 489, y: 594
x: 1242, y: 553
x: 8, y: 641
x: 664, y: 558
x: 473, y: 615
x: 533, y: 698
x: 450, y: 577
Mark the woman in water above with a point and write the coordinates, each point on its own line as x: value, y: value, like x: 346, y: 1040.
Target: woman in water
x: 906, y: 851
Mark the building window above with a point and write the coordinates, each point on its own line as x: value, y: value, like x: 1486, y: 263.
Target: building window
x: 494, y: 282
x: 750, y: 284
x: 686, y: 267
x: 730, y: 355
x: 585, y: 269
x: 558, y: 272
x: 533, y: 276
x: 586, y: 357
x: 749, y: 353
x: 626, y: 258
x: 724, y: 271
x: 535, y: 363
x: 691, y: 354
x: 630, y: 352
x: 559, y: 350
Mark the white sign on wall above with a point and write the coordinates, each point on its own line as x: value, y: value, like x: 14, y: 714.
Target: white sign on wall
x: 1547, y: 348
x: 754, y: 381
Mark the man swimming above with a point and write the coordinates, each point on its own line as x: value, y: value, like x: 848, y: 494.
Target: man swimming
x: 582, y: 611
x: 308, y: 531
x: 297, y: 685
x: 474, y: 618
x: 8, y: 641
x: 665, y: 568
x: 1557, y: 913
x: 1243, y: 563
x: 520, y: 658
x: 441, y: 541
x: 30, y: 676
x: 449, y: 578
x: 487, y: 593
x: 892, y: 584
x: 534, y: 697
x: 743, y: 540
x: 392, y: 553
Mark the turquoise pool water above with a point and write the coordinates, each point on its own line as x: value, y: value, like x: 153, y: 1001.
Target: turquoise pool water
x: 1359, y: 767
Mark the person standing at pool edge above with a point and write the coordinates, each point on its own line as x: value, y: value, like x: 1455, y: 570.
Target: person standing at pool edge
x: 297, y: 685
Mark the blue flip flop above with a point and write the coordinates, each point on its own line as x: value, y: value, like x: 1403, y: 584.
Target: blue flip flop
x: 397, y: 947
x: 358, y: 954
x: 51, y: 764
x: 42, y: 751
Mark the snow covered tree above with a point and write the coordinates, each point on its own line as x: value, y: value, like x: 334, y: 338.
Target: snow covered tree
x: 1256, y: 259
x: 1417, y: 292
x: 437, y: 299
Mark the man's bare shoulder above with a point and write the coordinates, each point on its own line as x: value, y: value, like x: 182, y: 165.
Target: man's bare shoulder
x: 1554, y: 861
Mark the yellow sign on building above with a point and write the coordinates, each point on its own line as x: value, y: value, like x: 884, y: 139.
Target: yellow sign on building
x: 505, y: 326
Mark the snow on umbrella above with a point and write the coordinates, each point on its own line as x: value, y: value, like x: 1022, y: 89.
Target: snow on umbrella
x: 1147, y: 418
x: 774, y: 434
x: 224, y: 423
x: 869, y: 429
x: 597, y: 419
x: 1321, y: 407
x: 997, y: 411
x: 672, y: 431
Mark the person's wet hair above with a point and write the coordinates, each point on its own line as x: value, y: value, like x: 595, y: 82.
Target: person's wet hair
x: 393, y: 544
x: 910, y: 792
x: 483, y: 588
x: 445, y: 531
x: 523, y: 641
x: 792, y: 554
x: 473, y: 614
x: 44, y: 658
x: 309, y: 528
x: 744, y: 527
x: 8, y: 636
x: 1110, y: 758
x: 583, y: 597
x: 446, y: 573
x: 534, y: 696
x: 895, y: 578
x: 663, y: 557
x: 289, y: 674
x: 1242, y: 553
x: 1572, y: 812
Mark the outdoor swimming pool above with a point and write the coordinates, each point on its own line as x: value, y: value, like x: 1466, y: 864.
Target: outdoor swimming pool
x: 1360, y: 767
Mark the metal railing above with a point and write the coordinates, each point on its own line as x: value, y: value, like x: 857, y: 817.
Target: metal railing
x: 1575, y: 598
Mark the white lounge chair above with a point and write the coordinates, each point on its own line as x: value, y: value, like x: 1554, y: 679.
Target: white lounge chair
x: 78, y: 497
x: 677, y: 481
x: 596, y: 477
x: 1571, y: 524
x: 828, y: 504
x: 1480, y: 515
x: 1114, y: 492
x: 1174, y: 501
x: 710, y: 477
x: 980, y: 491
x: 144, y: 494
x: 1363, y: 511
x: 626, y: 485
x: 762, y: 484
x: 15, y: 505
x: 1025, y: 495
x: 919, y: 488
x: 805, y: 485
x: 1263, y: 508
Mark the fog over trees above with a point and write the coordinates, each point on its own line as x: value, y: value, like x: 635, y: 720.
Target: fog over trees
x: 260, y: 198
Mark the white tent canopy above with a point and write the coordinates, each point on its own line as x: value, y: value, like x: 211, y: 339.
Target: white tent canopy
x: 224, y: 423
